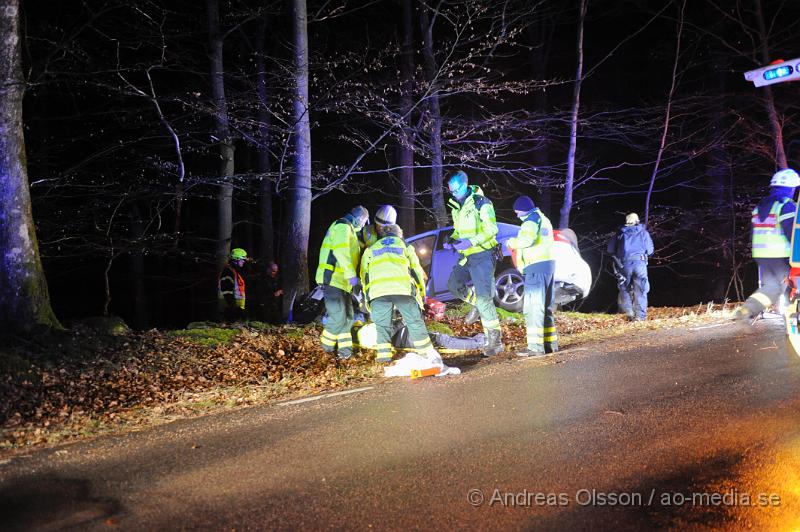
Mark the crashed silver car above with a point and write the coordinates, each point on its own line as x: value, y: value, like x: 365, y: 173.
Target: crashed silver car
x: 573, y: 277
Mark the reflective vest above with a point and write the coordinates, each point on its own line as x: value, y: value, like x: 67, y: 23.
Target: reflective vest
x: 390, y: 268
x: 338, y: 256
x: 534, y: 242
x: 475, y: 221
x: 769, y: 242
x: 367, y: 236
x: 232, y: 282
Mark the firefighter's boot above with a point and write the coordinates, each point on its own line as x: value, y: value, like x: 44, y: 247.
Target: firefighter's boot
x: 494, y: 343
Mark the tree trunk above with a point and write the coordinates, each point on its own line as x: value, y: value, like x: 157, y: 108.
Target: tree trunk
x: 24, y: 298
x: 222, y: 133
x: 295, y: 255
x: 573, y: 133
x: 266, y: 242
x: 667, y: 116
x: 769, y: 101
x: 434, y: 118
x: 405, y: 214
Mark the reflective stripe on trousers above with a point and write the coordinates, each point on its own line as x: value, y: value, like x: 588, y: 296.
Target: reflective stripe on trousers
x: 337, y: 331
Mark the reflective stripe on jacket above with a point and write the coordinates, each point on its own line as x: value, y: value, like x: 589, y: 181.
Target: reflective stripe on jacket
x: 534, y: 242
x: 474, y: 220
x: 232, y: 282
x: 390, y: 267
x: 338, y: 256
x: 768, y: 238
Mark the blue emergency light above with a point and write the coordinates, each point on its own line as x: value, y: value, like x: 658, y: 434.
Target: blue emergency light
x: 777, y: 72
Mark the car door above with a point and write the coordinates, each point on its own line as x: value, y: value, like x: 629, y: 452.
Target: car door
x: 444, y: 261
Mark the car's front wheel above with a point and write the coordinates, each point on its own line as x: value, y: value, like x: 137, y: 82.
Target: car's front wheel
x: 509, y: 285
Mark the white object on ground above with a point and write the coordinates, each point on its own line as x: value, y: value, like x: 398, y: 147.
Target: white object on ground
x: 412, y: 361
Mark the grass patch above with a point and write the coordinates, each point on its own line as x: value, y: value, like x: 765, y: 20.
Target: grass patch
x: 207, y: 337
x: 439, y: 327
x: 506, y: 315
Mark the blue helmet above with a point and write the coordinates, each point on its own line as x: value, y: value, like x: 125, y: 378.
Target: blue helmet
x: 458, y: 184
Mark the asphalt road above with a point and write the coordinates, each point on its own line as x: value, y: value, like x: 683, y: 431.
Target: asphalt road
x: 690, y: 429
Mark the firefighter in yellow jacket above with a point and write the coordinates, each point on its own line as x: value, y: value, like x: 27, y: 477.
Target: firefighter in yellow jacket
x: 534, y: 245
x: 772, y: 222
x: 392, y: 279
x: 474, y: 232
x: 337, y: 273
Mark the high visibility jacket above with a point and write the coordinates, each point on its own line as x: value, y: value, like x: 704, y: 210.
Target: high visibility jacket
x: 390, y: 267
x: 769, y: 241
x: 231, y: 282
x: 368, y: 236
x: 534, y: 242
x: 338, y: 256
x: 474, y: 220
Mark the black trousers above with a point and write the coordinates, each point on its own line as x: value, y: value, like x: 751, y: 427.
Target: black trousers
x: 772, y: 273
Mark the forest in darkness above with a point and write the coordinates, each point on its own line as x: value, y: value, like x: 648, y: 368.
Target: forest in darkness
x: 159, y: 134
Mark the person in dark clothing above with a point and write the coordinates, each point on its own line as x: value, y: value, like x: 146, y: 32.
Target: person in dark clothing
x: 631, y: 247
x: 772, y: 223
x: 270, y: 295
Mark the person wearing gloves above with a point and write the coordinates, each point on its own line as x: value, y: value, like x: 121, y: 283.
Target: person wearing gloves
x: 337, y: 273
x: 772, y: 223
x: 631, y: 247
x: 474, y: 232
x: 534, y: 245
x: 392, y: 279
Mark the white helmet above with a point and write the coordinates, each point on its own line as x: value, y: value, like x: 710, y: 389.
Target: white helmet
x: 785, y: 178
x: 386, y: 215
x: 632, y: 219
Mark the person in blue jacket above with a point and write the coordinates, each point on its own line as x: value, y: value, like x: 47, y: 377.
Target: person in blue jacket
x: 631, y: 247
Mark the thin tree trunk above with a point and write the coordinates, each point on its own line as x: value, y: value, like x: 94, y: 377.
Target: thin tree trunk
x: 769, y: 101
x: 434, y: 118
x: 222, y: 132
x: 406, y: 217
x: 266, y: 242
x: 566, y: 207
x: 295, y: 255
x: 667, y: 115
x: 24, y: 298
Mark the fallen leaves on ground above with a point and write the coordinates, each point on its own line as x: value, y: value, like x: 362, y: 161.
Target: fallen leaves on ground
x: 84, y: 383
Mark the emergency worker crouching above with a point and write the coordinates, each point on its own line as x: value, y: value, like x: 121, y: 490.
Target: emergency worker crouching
x: 392, y: 279
x: 337, y: 273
